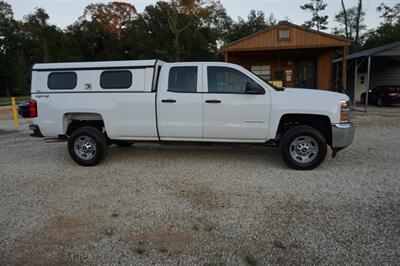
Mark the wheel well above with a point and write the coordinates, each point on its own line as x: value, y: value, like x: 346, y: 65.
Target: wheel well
x: 320, y: 122
x: 72, y: 121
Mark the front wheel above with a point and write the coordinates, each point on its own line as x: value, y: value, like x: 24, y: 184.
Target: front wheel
x: 303, y: 148
x: 87, y: 146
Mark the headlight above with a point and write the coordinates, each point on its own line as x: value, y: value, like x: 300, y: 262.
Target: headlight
x: 344, y: 111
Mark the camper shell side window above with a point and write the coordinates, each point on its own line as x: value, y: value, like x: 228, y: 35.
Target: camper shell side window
x: 121, y: 79
x: 62, y: 80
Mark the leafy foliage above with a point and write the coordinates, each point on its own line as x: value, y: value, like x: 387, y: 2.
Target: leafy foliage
x: 256, y: 22
x: 352, y: 26
x: 317, y: 21
x: 389, y: 29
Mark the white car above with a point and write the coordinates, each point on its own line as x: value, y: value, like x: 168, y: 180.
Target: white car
x: 95, y: 104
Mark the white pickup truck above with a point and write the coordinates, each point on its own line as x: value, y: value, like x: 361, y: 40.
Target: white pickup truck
x: 95, y: 104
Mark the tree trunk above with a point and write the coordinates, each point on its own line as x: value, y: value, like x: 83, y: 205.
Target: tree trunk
x: 359, y: 11
x: 346, y: 23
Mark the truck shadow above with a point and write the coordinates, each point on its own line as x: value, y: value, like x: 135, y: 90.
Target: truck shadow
x: 214, y: 154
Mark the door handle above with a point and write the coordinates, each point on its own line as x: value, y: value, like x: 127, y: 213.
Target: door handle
x: 213, y: 101
x: 168, y: 101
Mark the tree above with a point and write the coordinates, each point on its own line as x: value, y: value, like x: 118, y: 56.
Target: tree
x: 352, y: 24
x: 389, y: 29
x: 97, y: 33
x: 7, y: 45
x: 343, y: 18
x: 37, y: 31
x: 114, y: 16
x: 318, y: 21
x: 390, y: 15
x: 359, y: 17
x: 255, y: 22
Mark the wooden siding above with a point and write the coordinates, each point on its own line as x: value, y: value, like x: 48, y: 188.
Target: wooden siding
x: 299, y: 38
x: 324, y: 71
x: 278, y: 60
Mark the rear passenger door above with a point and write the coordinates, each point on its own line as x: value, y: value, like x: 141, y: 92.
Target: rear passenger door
x: 180, y: 102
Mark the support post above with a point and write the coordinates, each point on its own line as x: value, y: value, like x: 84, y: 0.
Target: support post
x: 367, y: 83
x: 337, y: 76
x: 355, y: 81
x: 14, y: 110
x: 226, y: 56
x: 344, y: 68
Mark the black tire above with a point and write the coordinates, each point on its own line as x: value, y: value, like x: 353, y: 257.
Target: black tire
x: 95, y: 136
x: 316, y: 142
x: 380, y: 102
x: 123, y: 143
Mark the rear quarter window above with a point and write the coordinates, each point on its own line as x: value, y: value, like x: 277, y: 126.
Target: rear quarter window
x: 62, y: 80
x: 116, y: 79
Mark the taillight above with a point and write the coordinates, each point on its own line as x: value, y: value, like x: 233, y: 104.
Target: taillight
x: 344, y: 111
x: 392, y: 94
x: 32, y: 108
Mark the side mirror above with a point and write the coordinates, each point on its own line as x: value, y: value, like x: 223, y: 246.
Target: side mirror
x: 254, y: 88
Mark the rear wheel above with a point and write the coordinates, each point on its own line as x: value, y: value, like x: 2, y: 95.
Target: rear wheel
x: 87, y: 146
x: 303, y: 148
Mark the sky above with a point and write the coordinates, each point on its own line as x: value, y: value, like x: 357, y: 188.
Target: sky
x: 63, y: 13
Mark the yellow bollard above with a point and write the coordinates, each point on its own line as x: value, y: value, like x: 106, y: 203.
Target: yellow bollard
x: 14, y: 109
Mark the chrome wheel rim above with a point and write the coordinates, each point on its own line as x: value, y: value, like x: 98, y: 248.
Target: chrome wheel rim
x: 304, y: 149
x: 85, y: 147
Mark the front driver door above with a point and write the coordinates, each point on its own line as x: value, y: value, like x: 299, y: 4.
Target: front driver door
x: 229, y: 113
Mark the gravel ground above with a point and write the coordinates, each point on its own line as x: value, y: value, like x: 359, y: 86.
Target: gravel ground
x: 192, y: 205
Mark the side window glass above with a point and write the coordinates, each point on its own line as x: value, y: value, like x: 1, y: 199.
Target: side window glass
x: 183, y: 79
x: 116, y: 79
x: 226, y: 80
x: 61, y: 80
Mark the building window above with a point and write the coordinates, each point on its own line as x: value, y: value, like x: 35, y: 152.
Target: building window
x: 62, y: 81
x: 182, y: 79
x: 116, y: 79
x: 284, y: 34
x: 264, y: 72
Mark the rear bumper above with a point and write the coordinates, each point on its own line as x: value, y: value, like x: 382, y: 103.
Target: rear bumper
x: 342, y: 135
x: 35, y: 131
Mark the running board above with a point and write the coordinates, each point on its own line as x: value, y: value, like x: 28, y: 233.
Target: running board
x: 54, y: 140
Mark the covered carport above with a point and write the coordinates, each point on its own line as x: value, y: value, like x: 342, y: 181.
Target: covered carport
x: 368, y: 69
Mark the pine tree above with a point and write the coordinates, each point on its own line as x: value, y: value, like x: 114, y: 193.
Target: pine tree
x: 318, y: 21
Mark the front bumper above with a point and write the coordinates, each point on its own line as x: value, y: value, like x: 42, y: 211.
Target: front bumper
x: 342, y: 135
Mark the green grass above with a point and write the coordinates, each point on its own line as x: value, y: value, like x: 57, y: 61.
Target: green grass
x: 139, y: 249
x: 250, y: 260
x: 5, y: 101
x: 109, y: 231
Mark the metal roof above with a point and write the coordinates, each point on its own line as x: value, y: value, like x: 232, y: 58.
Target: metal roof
x: 370, y: 52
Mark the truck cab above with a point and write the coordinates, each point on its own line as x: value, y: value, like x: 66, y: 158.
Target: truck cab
x: 92, y: 105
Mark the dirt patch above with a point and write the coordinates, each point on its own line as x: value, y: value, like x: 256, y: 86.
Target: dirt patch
x: 198, y: 194
x: 50, y: 245
x: 280, y: 236
x: 164, y: 241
